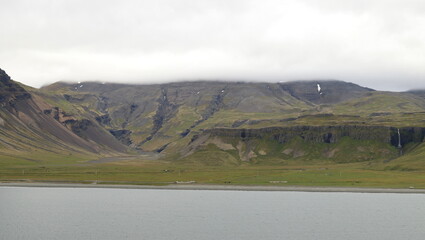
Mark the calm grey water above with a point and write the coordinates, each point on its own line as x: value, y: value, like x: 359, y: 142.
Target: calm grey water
x: 83, y: 213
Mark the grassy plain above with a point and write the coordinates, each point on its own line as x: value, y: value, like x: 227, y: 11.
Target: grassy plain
x: 56, y: 168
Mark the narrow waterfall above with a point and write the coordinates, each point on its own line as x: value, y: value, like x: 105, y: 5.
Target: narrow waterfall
x: 399, y: 138
x: 399, y: 142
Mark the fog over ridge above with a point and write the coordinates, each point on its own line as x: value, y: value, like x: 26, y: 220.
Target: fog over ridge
x: 377, y: 44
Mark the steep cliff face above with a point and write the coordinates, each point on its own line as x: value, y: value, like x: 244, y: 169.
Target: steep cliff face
x: 306, y: 143
x: 325, y: 134
x: 407, y: 135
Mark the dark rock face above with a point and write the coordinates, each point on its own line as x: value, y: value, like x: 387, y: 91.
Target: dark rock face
x: 165, y: 111
x: 78, y: 126
x: 407, y: 135
x: 122, y: 135
x: 10, y: 91
x: 102, y: 104
x: 326, y: 134
x: 239, y: 123
x: 4, y: 78
x: 185, y: 133
x: 215, y: 105
x: 104, y: 119
x: 162, y: 148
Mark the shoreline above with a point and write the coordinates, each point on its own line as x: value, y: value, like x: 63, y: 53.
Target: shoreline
x: 217, y: 187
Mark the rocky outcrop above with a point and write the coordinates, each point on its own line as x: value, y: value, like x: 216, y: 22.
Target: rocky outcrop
x: 102, y: 104
x: 58, y: 114
x: 122, y: 135
x: 4, y: 78
x: 104, y: 119
x: 164, y: 111
x: 324, y: 134
x: 309, y: 142
x: 78, y: 126
x: 215, y: 105
x: 10, y: 91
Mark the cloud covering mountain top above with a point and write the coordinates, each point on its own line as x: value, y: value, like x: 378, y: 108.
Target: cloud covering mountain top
x: 378, y: 44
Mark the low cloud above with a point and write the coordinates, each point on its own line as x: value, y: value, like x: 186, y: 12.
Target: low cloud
x: 379, y: 44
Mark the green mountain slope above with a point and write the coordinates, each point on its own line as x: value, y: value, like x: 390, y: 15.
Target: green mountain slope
x: 171, y: 118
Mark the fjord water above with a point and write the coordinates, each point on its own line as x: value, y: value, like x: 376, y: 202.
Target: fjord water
x: 91, y: 213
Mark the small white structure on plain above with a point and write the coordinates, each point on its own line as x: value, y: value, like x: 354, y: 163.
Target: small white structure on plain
x: 81, y: 85
x: 222, y: 91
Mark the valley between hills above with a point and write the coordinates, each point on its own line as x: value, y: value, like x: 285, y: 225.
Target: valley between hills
x: 309, y: 133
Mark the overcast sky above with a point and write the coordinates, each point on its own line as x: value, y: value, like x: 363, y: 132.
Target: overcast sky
x: 378, y: 44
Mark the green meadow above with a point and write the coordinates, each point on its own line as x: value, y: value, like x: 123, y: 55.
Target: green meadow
x: 403, y: 172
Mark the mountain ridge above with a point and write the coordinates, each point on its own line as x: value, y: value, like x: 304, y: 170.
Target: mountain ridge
x: 168, y: 117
